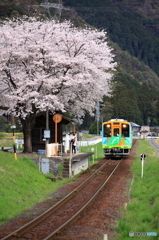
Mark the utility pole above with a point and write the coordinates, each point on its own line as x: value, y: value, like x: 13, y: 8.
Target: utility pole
x: 97, y: 115
x: 98, y: 105
x: 47, y: 124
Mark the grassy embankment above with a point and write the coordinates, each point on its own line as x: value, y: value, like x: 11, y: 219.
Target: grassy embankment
x: 22, y: 185
x: 142, y: 213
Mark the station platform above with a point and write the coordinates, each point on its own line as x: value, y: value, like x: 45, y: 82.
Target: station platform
x: 78, y: 161
x: 72, y: 163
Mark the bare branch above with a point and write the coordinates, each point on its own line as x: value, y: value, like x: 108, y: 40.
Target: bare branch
x: 11, y: 79
x: 4, y: 108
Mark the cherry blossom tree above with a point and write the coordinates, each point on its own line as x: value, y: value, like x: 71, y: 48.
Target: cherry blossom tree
x: 55, y: 65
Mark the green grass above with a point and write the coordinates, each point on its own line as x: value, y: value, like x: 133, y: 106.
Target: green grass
x: 10, y: 135
x: 85, y: 136
x: 98, y: 152
x: 142, y: 213
x: 8, y: 142
x: 22, y: 185
x: 2, y: 135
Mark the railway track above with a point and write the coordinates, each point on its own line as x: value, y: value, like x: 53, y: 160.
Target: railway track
x: 63, y: 213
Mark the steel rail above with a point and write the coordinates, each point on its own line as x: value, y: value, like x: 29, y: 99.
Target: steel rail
x: 17, y: 233
x: 82, y: 208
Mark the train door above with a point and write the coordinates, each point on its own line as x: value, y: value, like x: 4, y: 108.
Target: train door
x: 116, y: 129
x: 116, y: 132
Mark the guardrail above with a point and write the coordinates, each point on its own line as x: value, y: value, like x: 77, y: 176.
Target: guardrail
x: 88, y: 143
x: 144, y: 137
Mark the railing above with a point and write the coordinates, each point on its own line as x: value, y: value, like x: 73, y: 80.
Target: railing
x: 88, y: 143
x: 145, y: 137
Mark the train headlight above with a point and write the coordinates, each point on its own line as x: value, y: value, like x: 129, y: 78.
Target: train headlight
x: 124, y: 125
x: 108, y: 125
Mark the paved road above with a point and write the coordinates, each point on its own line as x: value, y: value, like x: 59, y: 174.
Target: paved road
x: 154, y: 145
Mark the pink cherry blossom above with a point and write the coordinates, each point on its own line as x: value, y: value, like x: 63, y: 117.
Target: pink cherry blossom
x: 55, y: 65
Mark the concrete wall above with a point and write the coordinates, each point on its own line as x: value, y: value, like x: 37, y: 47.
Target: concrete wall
x: 79, y: 165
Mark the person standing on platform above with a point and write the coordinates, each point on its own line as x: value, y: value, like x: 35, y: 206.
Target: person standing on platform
x: 73, y: 143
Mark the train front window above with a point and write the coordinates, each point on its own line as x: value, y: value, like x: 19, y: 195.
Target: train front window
x: 125, y: 130
x: 116, y: 132
x: 107, y: 130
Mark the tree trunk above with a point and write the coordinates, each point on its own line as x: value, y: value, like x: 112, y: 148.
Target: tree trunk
x: 27, y: 125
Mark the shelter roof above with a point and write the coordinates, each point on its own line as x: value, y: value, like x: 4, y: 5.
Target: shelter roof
x: 134, y: 124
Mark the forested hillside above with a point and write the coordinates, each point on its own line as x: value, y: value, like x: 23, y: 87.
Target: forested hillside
x: 135, y: 94
x: 134, y: 26
x: 133, y: 30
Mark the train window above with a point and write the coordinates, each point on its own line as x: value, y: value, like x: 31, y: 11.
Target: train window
x: 125, y: 130
x: 116, y: 131
x: 107, y: 130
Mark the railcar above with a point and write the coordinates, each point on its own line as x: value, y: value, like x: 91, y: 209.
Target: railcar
x: 116, y: 137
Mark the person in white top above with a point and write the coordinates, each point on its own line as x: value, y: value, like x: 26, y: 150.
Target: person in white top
x: 73, y: 142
